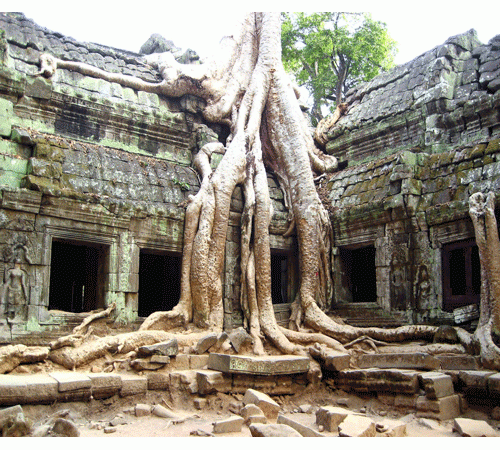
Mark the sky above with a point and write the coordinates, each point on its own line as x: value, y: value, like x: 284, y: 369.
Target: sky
x: 417, y: 26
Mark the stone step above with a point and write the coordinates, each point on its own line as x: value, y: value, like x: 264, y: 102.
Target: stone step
x: 367, y: 315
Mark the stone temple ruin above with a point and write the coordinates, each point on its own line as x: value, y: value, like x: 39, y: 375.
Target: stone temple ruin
x: 94, y: 179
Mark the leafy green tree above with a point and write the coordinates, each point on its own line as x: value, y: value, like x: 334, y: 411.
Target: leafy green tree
x: 330, y: 52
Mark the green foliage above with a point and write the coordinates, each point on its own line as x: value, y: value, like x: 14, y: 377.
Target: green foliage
x: 330, y: 52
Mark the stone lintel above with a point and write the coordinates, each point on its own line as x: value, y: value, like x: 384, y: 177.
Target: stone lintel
x: 258, y: 365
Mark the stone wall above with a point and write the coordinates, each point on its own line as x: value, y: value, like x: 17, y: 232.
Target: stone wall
x: 416, y: 142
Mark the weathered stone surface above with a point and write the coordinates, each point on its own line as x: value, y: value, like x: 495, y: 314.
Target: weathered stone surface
x: 71, y: 381
x: 133, y: 384
x: 436, y: 385
x: 240, y: 340
x: 232, y: 424
x: 329, y: 417
x: 391, y: 428
x: 210, y: 381
x: 355, y: 425
x: 250, y: 410
x: 477, y: 379
x: 41, y: 388
x: 273, y: 430
x: 399, y: 361
x: 473, y: 428
x: 104, y: 385
x: 64, y: 427
x: 444, y: 408
x: 268, y: 406
x: 184, y: 380
x: 161, y: 411
x: 13, y: 422
x: 301, y: 428
x: 258, y: 365
x: 458, y: 362
x: 494, y: 383
x: 142, y: 409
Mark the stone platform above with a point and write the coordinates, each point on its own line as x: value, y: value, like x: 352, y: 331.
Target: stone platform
x: 258, y: 365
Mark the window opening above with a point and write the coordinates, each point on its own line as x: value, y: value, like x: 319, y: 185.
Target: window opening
x: 159, y: 281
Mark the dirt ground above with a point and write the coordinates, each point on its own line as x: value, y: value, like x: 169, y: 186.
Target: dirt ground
x: 115, y: 417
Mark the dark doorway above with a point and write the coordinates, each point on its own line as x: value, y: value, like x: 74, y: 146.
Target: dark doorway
x: 360, y: 273
x: 279, y: 278
x: 461, y: 274
x: 77, y: 276
x: 159, y: 281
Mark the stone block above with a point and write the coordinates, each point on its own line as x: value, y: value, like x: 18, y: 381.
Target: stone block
x: 304, y: 430
x: 273, y: 430
x: 142, y: 409
x: 250, y: 410
x: 268, y: 406
x: 355, y: 425
x: 416, y: 361
x: 205, y: 343
x: 198, y: 361
x: 473, y: 428
x: 337, y: 361
x: 391, y: 428
x: 72, y: 386
x: 158, y: 380
x: 330, y: 417
x: 397, y: 381
x: 232, y: 424
x: 210, y: 381
x: 436, y: 385
x: 444, y: 408
x: 264, y: 365
x: 476, y: 379
x: 12, y: 390
x: 458, y: 362
x: 133, y: 385
x: 185, y: 380
x: 104, y: 385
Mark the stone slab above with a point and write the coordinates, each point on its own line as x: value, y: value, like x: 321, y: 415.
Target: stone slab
x: 357, y: 426
x: 263, y: 365
x: 297, y: 426
x: 415, y: 361
x: 473, y: 428
x: 458, y: 362
x: 12, y: 390
x: 445, y: 408
x: 133, y: 385
x: 436, y: 385
x: 71, y: 381
x: 477, y: 379
x: 330, y: 417
x: 41, y: 389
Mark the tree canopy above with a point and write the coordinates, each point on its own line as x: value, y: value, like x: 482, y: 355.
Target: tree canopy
x: 330, y: 52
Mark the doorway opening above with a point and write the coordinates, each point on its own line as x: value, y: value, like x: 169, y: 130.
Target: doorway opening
x: 77, y: 276
x: 461, y: 274
x: 279, y: 278
x: 159, y: 281
x: 360, y: 274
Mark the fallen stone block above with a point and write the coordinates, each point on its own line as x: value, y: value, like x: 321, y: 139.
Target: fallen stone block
x: 268, y: 406
x: 273, y: 430
x: 304, y: 430
x: 436, y: 385
x: 142, y: 409
x: 240, y: 340
x: 161, y: 411
x: 232, y: 424
x: 473, y: 428
x: 210, y: 381
x: 329, y: 417
x: 64, y: 428
x: 357, y: 426
x: 415, y: 361
x: 205, y: 343
x: 133, y: 385
x: 250, y: 410
x: 140, y: 364
x: 104, y: 385
x: 391, y: 428
x: 444, y: 408
x: 167, y: 348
